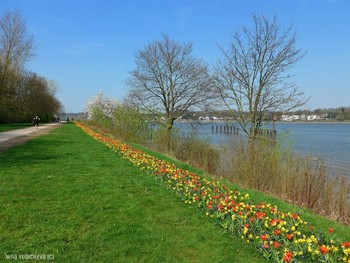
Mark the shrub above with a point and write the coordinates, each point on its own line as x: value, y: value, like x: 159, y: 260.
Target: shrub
x: 275, y: 169
x: 198, y: 153
x: 130, y: 124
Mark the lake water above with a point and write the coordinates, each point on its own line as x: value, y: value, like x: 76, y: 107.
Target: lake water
x: 327, y: 141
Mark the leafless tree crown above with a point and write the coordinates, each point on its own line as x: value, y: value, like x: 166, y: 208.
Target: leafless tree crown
x: 16, y: 47
x: 168, y: 80
x: 252, y: 78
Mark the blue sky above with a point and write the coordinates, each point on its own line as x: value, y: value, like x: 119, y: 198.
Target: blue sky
x: 88, y: 46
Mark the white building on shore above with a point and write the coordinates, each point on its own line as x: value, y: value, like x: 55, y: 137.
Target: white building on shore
x: 302, y: 117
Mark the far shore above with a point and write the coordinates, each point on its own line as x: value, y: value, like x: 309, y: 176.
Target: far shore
x: 294, y: 122
x: 316, y: 122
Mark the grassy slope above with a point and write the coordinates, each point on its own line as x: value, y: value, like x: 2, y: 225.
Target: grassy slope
x: 319, y: 222
x: 67, y: 195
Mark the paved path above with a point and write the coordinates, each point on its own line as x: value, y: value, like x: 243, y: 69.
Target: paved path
x: 16, y: 137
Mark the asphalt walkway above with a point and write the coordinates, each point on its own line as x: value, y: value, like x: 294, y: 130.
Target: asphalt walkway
x: 16, y: 137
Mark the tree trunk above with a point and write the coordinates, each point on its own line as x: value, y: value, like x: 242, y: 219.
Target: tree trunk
x: 169, y: 129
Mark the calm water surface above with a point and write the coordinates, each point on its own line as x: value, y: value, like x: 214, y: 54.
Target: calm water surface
x: 327, y: 141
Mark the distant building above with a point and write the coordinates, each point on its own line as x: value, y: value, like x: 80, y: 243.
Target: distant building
x: 208, y: 118
x: 303, y: 117
x: 290, y: 117
x: 313, y: 117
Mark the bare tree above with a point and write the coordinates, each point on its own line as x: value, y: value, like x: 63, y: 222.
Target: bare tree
x: 168, y: 80
x: 252, y: 78
x: 16, y: 48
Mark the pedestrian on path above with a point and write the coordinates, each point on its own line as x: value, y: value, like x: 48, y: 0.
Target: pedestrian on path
x: 36, y: 121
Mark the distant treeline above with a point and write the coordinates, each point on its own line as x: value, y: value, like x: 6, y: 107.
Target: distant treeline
x: 72, y: 116
x: 23, y: 94
x: 338, y: 114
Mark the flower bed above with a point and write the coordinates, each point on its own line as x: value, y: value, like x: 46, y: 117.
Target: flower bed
x: 279, y: 236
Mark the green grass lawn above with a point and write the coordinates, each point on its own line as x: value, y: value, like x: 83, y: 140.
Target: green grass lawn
x: 14, y: 126
x: 67, y: 195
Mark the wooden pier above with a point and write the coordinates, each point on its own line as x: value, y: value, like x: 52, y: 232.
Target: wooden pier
x: 225, y: 129
x: 268, y: 134
x: 229, y: 129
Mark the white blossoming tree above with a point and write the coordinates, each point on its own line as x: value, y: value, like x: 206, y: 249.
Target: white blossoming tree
x: 118, y: 118
x: 101, y: 106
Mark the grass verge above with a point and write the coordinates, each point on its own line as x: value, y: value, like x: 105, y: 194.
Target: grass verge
x: 14, y: 126
x: 67, y: 195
